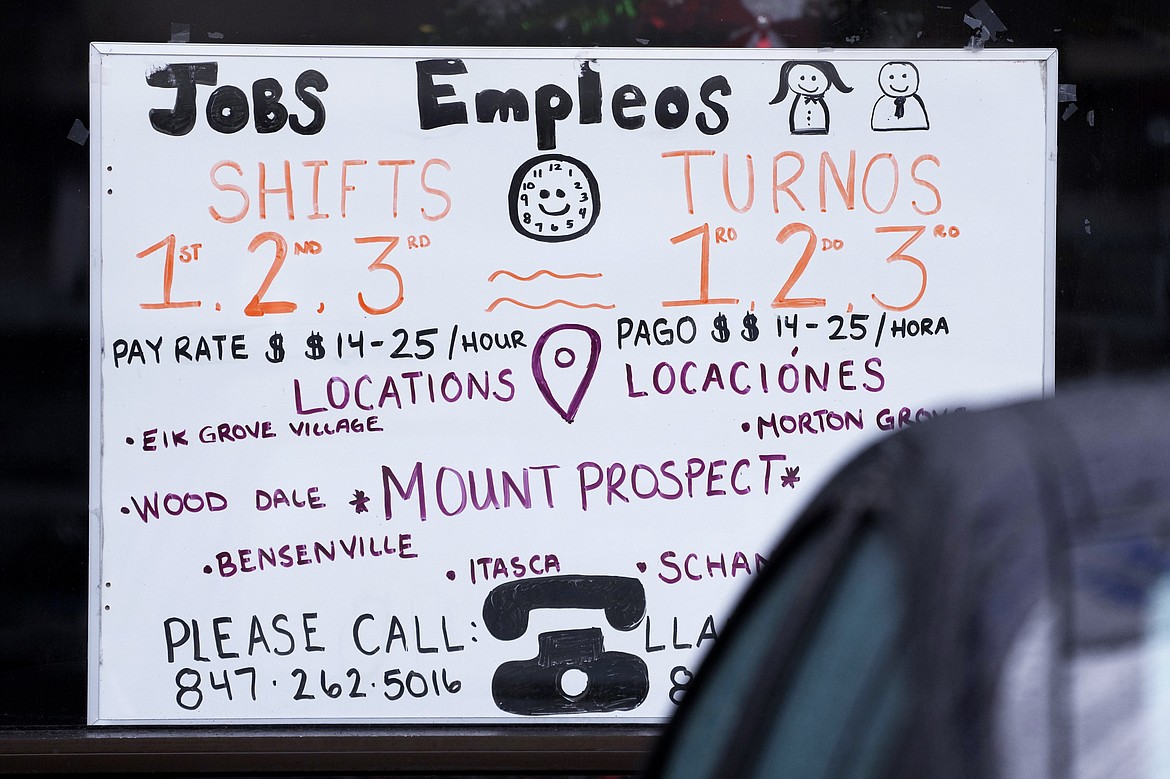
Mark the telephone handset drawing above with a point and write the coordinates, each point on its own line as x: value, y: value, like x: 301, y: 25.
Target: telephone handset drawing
x: 572, y: 672
x: 505, y: 611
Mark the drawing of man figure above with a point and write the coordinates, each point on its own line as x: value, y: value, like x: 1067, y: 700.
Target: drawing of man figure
x: 899, y: 107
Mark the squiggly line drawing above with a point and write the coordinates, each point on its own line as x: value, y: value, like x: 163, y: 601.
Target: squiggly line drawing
x: 557, y: 302
x: 499, y: 273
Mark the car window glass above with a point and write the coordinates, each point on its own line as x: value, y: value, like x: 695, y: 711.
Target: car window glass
x: 713, y: 719
x: 1158, y: 683
x: 849, y: 686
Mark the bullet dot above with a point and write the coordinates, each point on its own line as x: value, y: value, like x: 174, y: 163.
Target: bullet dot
x: 130, y: 440
x: 746, y: 426
x: 124, y: 510
x: 451, y: 575
x: 107, y: 584
x: 207, y: 569
x: 107, y: 608
x: 474, y: 640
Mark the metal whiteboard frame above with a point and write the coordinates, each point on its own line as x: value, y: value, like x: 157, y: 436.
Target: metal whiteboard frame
x: 528, y: 745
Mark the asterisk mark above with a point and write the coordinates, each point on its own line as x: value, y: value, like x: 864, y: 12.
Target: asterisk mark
x: 791, y: 477
x: 359, y: 502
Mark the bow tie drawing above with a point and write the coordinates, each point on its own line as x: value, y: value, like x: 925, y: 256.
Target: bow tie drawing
x: 814, y: 99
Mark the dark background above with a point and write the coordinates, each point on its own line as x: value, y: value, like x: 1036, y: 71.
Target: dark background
x: 1113, y: 241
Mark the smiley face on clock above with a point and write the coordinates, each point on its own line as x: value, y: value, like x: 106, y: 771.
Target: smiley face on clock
x: 553, y: 198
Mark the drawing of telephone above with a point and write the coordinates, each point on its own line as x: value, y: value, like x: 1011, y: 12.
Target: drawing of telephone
x: 572, y: 672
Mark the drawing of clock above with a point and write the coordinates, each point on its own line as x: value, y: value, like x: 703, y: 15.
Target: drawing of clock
x: 553, y: 198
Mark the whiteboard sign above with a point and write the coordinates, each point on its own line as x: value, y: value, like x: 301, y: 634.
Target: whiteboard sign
x: 475, y: 385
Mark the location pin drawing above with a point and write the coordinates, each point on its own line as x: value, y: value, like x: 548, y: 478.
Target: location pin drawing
x: 565, y: 363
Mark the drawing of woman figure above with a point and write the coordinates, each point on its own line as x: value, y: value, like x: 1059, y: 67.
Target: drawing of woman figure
x: 809, y: 80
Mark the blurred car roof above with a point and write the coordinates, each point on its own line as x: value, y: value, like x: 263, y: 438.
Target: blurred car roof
x: 985, y: 595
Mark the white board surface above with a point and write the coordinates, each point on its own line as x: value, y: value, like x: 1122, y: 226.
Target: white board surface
x: 402, y: 412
